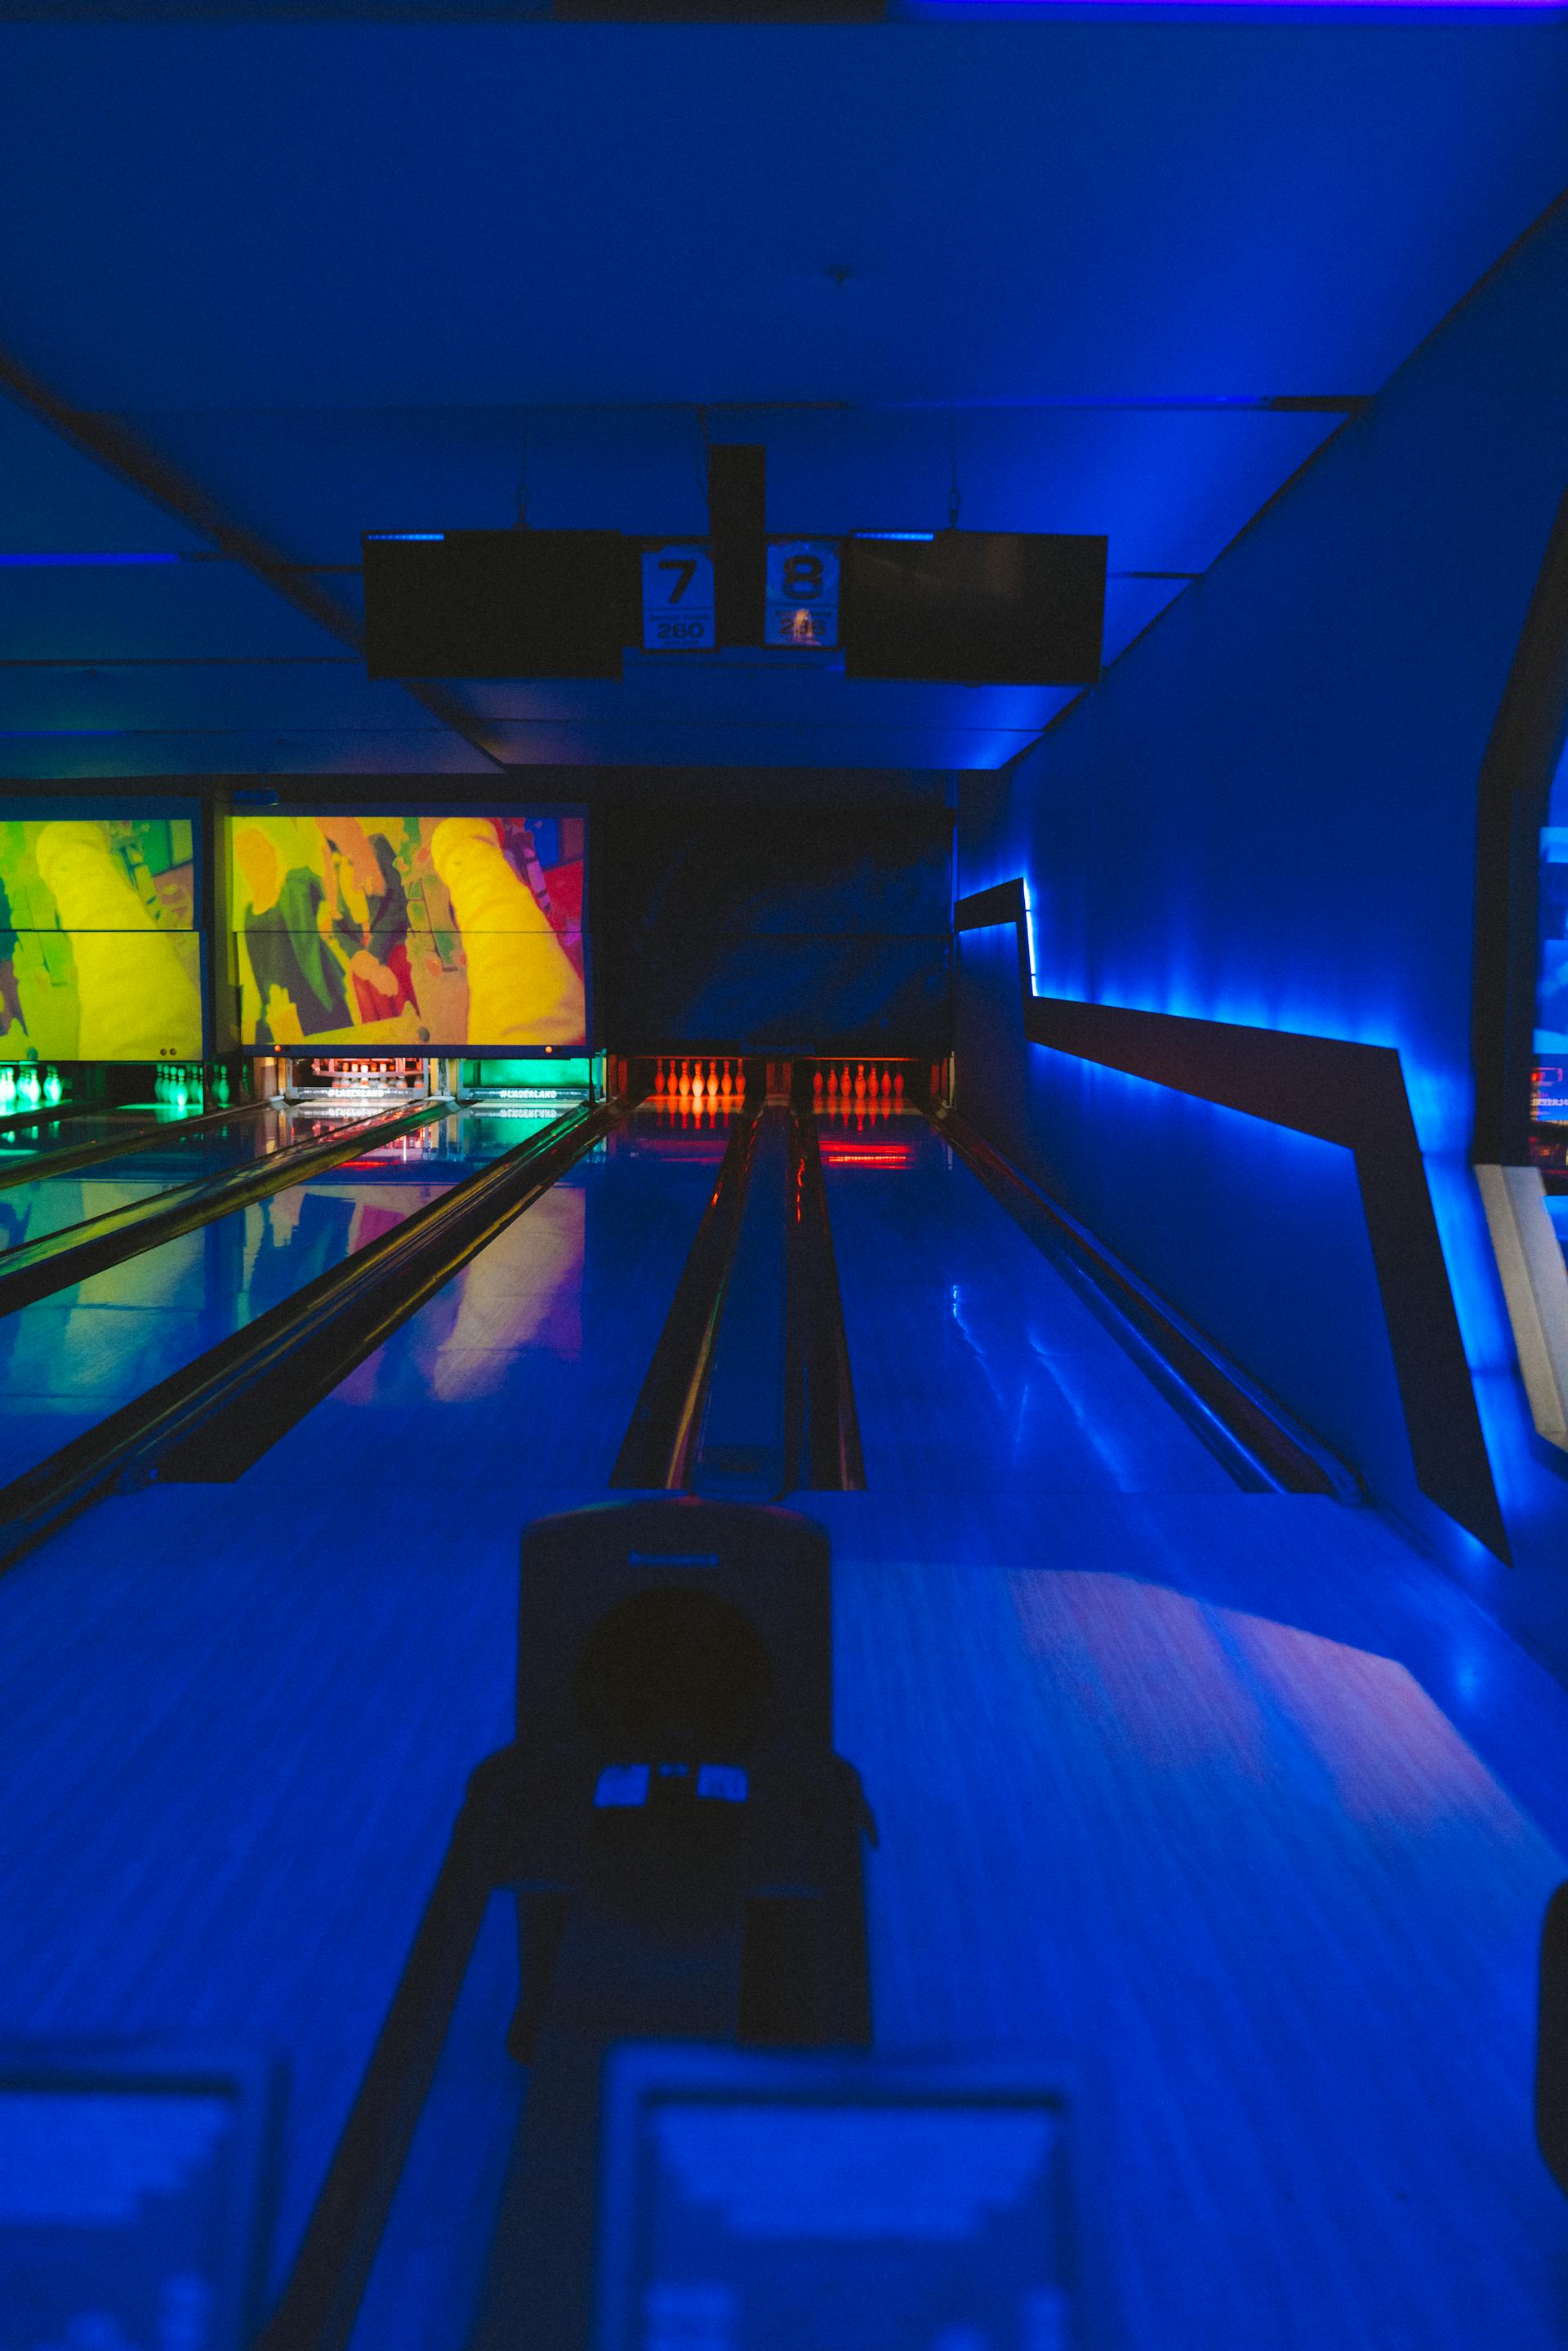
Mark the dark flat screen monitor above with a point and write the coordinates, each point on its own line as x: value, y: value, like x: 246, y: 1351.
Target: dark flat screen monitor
x: 499, y: 603
x: 975, y: 608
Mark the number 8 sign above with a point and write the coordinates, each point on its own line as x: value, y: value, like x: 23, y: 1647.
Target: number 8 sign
x: 803, y: 591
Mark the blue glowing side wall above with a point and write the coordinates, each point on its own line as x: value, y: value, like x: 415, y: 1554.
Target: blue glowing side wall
x: 1266, y: 814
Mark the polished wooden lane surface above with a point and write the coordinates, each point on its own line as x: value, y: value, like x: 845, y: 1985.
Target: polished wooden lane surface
x: 1233, y: 1800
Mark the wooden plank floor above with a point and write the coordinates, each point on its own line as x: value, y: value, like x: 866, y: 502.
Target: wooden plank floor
x: 1234, y: 1799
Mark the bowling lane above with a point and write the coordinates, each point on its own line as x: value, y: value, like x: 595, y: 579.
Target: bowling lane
x: 1231, y: 1801
x: 520, y: 1367
x: 292, y: 1677
x: 70, y: 1359
x: 977, y: 1367
x: 49, y: 1203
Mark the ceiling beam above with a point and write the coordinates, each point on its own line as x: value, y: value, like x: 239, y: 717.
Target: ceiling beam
x: 108, y: 442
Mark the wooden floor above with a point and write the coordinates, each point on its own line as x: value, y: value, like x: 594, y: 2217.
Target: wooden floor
x: 1232, y: 1800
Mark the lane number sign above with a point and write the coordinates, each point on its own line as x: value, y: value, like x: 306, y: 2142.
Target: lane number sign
x: 677, y: 599
x: 802, y: 592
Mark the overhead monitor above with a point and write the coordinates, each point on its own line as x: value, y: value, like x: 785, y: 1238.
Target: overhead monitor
x: 499, y: 603
x: 974, y: 607
x: 99, y: 953
x: 456, y: 932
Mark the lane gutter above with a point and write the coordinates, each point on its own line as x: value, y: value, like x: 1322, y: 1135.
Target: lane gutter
x: 661, y: 1436
x: 1264, y: 1448
x: 825, y: 1438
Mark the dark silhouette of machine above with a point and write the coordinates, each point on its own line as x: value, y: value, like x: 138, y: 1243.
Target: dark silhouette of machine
x: 684, y: 1848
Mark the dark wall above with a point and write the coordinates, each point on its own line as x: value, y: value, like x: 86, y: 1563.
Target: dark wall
x: 807, y: 925
x: 1267, y: 816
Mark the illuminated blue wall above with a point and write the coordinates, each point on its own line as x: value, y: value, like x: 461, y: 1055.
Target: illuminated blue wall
x: 1266, y: 814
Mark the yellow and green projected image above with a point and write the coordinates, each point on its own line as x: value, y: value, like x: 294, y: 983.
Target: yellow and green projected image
x: 98, y: 955
x: 430, y: 932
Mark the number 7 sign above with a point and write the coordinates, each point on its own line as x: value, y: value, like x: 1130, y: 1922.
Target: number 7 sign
x: 677, y: 599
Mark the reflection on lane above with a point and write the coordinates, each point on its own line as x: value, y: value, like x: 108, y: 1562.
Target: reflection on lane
x: 21, y: 1146
x: 70, y: 1359
x: 976, y: 1367
x: 31, y: 1212
x: 526, y: 1367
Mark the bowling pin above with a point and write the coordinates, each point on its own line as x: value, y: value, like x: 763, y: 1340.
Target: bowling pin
x: 886, y: 1083
x: 816, y: 1081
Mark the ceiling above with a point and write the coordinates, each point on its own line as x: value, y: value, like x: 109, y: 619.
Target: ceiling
x: 265, y: 285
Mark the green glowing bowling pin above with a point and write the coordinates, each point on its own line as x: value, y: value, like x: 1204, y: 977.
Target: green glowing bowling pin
x: 53, y: 1089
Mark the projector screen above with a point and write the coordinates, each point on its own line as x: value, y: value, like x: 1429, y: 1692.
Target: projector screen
x: 456, y: 932
x: 100, y: 959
